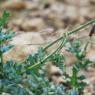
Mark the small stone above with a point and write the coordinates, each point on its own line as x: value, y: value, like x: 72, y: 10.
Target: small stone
x: 33, y: 5
x: 14, y: 4
x: 91, y: 54
x: 35, y: 24
x: 27, y: 38
x: 71, y: 13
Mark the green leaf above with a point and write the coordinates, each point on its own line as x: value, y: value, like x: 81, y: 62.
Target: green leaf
x: 74, y: 78
x: 4, y: 18
x: 82, y: 77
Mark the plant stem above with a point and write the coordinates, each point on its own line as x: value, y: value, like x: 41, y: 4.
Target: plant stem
x: 71, y: 32
x: 1, y: 65
x: 60, y: 47
x: 1, y: 58
x: 64, y: 40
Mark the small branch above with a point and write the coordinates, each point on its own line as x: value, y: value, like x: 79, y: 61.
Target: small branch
x: 71, y: 32
x: 59, y: 48
x: 64, y: 41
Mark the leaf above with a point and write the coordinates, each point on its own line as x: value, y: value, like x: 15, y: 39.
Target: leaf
x: 74, y: 92
x: 82, y: 77
x: 82, y: 85
x: 5, y: 48
x: 4, y: 18
x: 74, y: 78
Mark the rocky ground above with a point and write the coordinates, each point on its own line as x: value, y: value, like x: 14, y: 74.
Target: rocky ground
x: 38, y: 22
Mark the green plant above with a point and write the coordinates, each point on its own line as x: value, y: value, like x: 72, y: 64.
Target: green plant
x: 82, y: 62
x: 29, y: 78
x: 5, y: 36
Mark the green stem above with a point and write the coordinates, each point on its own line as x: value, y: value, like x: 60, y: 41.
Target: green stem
x: 47, y: 56
x: 1, y: 57
x: 1, y: 62
x: 71, y: 32
x: 1, y: 66
x: 65, y: 40
x: 37, y: 64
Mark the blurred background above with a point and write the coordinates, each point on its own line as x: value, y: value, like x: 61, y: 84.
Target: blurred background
x: 36, y: 15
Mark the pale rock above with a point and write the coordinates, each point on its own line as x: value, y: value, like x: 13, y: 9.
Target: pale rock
x: 18, y: 21
x: 71, y: 13
x: 47, y: 1
x: 35, y: 24
x: 77, y: 3
x: 60, y: 32
x: 58, y: 7
x: 91, y: 55
x: 24, y: 44
x: 32, y: 5
x: 51, y: 68
x: 19, y: 52
x: 27, y: 38
x: 70, y: 59
x: 88, y: 90
x: 59, y: 23
x: 36, y: 13
x: 58, y: 80
x: 15, y: 25
x: 14, y: 4
x: 84, y: 3
x: 49, y: 34
x: 84, y: 11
